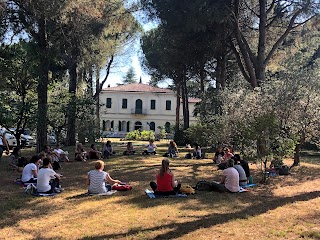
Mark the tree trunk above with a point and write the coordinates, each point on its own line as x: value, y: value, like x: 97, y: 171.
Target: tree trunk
x: 178, y: 99
x: 296, y: 156
x: 42, y: 87
x: 71, y: 124
x: 203, y: 110
x: 185, y: 103
x: 97, y: 99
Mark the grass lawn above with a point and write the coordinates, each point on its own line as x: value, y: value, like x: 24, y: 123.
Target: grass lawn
x: 287, y: 208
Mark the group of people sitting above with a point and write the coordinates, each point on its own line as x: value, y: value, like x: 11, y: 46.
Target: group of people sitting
x: 39, y: 171
x: 93, y: 153
x: 233, y: 176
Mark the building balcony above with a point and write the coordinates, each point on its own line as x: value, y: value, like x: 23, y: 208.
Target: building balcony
x: 139, y: 111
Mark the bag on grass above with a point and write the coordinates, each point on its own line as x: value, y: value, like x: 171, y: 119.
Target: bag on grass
x: 125, y: 187
x: 31, y: 189
x: 203, y: 186
x: 187, y: 189
x: 284, y: 170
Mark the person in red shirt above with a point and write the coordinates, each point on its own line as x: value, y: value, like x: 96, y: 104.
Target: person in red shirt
x: 166, y: 182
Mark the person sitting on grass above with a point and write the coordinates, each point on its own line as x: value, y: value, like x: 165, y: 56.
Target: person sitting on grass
x: 108, y: 150
x: 166, y: 183
x: 80, y: 153
x: 97, y: 178
x: 197, y: 151
x: 172, y: 150
x: 48, y: 179
x: 244, y: 165
x: 218, y: 157
x: 229, y: 181
x: 227, y: 154
x: 242, y: 174
x: 151, y: 148
x: 94, y: 153
x: 129, y: 150
x: 62, y: 155
x: 17, y: 163
x: 30, y: 171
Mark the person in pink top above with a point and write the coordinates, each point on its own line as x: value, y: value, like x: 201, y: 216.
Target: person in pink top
x: 227, y: 154
x: 229, y: 180
x: 166, y: 182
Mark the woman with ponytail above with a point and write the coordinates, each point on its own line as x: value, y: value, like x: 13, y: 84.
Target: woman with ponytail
x: 166, y: 183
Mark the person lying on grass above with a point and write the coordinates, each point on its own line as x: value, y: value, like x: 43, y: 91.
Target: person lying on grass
x: 166, y: 182
x: 97, y: 178
x: 48, y: 179
x: 229, y: 181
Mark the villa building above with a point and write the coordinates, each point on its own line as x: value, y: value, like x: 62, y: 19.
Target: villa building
x: 139, y: 106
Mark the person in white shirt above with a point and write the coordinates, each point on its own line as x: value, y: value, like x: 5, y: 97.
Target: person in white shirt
x: 30, y: 171
x: 48, y: 179
x: 229, y: 180
x: 3, y: 142
x: 151, y: 148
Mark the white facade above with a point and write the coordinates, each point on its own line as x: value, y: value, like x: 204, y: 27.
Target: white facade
x: 139, y: 106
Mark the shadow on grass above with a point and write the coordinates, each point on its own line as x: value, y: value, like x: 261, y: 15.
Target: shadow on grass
x: 180, y: 229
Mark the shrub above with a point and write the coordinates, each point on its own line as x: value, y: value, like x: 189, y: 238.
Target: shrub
x: 140, y: 135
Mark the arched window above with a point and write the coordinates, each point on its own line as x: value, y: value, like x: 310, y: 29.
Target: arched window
x: 112, y: 125
x: 138, y: 109
x: 137, y: 125
x: 103, y: 125
x: 119, y: 126
x: 123, y: 126
x: 108, y: 125
x: 167, y: 127
x: 152, y: 126
x: 128, y: 126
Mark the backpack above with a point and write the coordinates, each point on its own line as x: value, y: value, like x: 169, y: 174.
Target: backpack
x: 31, y: 189
x: 203, y: 186
x: 284, y: 170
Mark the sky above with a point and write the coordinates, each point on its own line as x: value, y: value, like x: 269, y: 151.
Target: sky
x: 130, y: 58
x: 122, y: 63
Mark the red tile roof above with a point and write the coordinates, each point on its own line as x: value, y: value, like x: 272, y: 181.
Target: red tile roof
x: 194, y: 100
x: 137, y: 87
x: 140, y: 87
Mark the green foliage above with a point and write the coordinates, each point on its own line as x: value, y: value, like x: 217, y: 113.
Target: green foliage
x: 130, y: 77
x: 140, y: 135
x: 162, y: 134
x: 18, y: 71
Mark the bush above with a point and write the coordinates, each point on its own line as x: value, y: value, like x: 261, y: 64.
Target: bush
x: 140, y: 135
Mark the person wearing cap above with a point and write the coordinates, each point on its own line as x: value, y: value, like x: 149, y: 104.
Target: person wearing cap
x: 30, y: 171
x: 229, y: 180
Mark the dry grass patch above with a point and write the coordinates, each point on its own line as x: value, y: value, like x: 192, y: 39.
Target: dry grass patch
x: 286, y: 208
